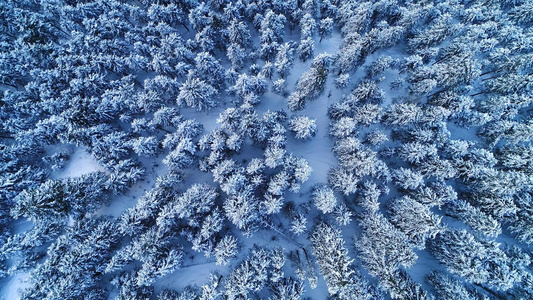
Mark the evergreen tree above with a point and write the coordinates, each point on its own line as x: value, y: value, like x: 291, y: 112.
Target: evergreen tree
x: 383, y: 249
x: 477, y: 260
x: 335, y: 264
x: 520, y: 224
x: 415, y: 220
x: 198, y: 94
x: 447, y: 287
x: 401, y: 114
x: 343, y: 215
x: 287, y: 289
x: 145, y: 146
x: 325, y: 28
x: 303, y: 127
x: 407, y: 178
x: 474, y: 217
x: 343, y: 180
x: 375, y: 138
x: 166, y: 262
x: 306, y: 48
x: 311, y: 84
x: 284, y: 59
x: 250, y: 276
x: 226, y: 249
x: 242, y: 209
x: 324, y: 198
x: 73, y: 266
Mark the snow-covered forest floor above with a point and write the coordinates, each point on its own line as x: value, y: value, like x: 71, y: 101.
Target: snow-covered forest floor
x: 299, y: 149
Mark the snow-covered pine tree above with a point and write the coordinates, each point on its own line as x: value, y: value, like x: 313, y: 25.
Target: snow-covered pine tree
x: 303, y: 127
x: 342, y: 279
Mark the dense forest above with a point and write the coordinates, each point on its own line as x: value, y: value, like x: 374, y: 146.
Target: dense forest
x: 266, y: 149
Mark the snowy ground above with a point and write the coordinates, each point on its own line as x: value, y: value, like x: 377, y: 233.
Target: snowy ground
x: 81, y: 162
x: 11, y: 286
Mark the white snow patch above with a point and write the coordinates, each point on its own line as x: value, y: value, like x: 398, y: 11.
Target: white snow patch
x: 10, y: 288
x: 80, y: 163
x: 187, y: 275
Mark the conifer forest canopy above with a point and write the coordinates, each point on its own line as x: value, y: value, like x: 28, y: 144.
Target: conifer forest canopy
x: 266, y: 149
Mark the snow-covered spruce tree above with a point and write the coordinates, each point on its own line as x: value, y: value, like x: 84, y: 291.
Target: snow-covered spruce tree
x: 250, y: 276
x: 401, y: 286
x: 278, y: 262
x: 383, y: 249
x: 155, y: 250
x: 56, y: 199
x: 311, y: 84
x: 183, y: 155
x: 249, y: 85
x: 336, y: 266
x: 343, y: 127
x: 45, y: 202
x: 208, y: 69
x: 401, y: 114
x: 325, y: 28
x: 287, y: 289
x: 163, y: 87
x: 414, y: 219
x: 477, y: 260
x: 111, y: 148
x: 436, y: 193
x: 23, y: 248
x: 185, y: 130
x: 239, y: 33
x: 242, y: 209
x: 303, y: 127
x: 343, y: 180
x: 379, y: 66
x: 343, y: 215
x: 145, y: 146
x: 226, y: 250
x: 197, y: 94
x: 520, y: 224
x: 136, y: 220
x: 128, y: 289
x: 272, y: 26
x: 197, y: 201
x: 165, y: 262
x: 236, y: 55
x: 368, y: 196
x: 298, y: 224
x: 210, y: 288
x: 76, y: 261
x: 279, y: 87
x: 407, y: 178
x: 307, y: 25
x: 415, y: 153
x: 125, y: 174
x: 441, y: 28
x: 324, y: 198
x: 168, y: 294
x: 375, y: 138
x: 284, y: 59
x: 342, y: 81
x: 306, y: 48
x: 295, y: 172
x: 358, y: 158
x: 447, y: 287
x: 473, y: 217
x: 299, y: 171
x: 203, y: 235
